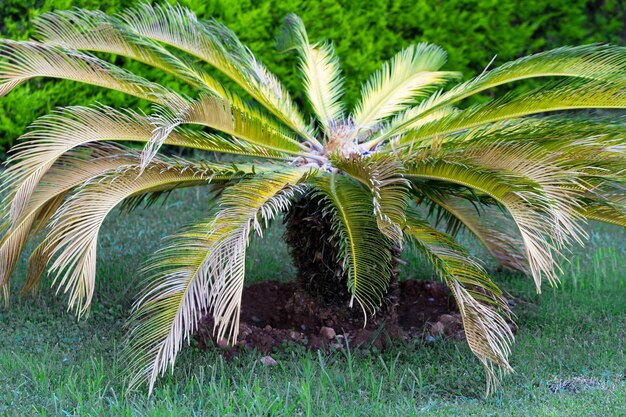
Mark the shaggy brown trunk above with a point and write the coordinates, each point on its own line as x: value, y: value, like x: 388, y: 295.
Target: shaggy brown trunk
x: 320, y: 270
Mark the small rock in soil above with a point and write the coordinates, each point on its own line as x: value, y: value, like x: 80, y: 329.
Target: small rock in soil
x: 437, y: 329
x: 268, y: 328
x: 222, y: 343
x: 268, y: 361
x: 328, y: 333
x: 447, y: 319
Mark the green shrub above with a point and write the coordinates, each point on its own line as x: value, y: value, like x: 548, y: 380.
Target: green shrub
x: 365, y: 33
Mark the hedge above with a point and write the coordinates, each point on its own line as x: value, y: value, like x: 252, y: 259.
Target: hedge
x: 364, y: 32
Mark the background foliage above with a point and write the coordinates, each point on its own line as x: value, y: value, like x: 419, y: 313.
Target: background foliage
x: 365, y: 33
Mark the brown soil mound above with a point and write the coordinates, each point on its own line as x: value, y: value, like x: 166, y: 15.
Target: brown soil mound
x: 273, y: 313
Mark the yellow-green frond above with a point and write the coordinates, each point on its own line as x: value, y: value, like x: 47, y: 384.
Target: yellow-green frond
x: 480, y: 301
x: 53, y: 135
x: 367, y: 252
x: 383, y: 176
x: 74, y: 229
x: 179, y: 27
x: 94, y: 30
x: 23, y: 61
x: 320, y: 68
x: 537, y: 198
x: 201, y: 270
x: 409, y: 75
x: 599, y: 63
x: 558, y: 96
x: 69, y: 172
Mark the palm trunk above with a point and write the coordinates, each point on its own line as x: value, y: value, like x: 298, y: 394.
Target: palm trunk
x: 315, y: 254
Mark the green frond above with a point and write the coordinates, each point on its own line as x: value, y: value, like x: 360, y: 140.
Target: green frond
x: 94, y: 30
x: 383, y: 176
x: 367, y: 252
x: 599, y: 63
x: 480, y: 301
x: 410, y: 74
x: 53, y: 135
x: 70, y: 171
x: 202, y: 270
x: 558, y: 96
x: 535, y: 193
x: 213, y: 43
x: 26, y: 60
x: 320, y: 68
x: 491, y: 227
x: 586, y: 147
x: 232, y: 118
x: 74, y: 230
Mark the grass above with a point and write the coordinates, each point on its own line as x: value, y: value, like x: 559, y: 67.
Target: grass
x: 569, y: 354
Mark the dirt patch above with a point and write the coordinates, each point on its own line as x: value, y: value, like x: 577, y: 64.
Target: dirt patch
x: 273, y: 313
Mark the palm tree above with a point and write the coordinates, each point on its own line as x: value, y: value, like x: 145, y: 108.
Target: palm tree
x: 521, y: 180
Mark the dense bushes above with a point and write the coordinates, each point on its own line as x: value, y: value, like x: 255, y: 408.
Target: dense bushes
x: 364, y: 32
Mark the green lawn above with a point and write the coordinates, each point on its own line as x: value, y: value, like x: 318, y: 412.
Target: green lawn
x: 575, y: 335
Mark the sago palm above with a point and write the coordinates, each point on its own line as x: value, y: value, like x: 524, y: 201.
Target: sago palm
x: 521, y: 180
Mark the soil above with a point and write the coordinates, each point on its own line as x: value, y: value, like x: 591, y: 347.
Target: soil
x: 273, y: 313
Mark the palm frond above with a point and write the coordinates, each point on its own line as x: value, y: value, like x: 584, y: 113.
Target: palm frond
x: 201, y: 270
x: 178, y: 27
x: 25, y: 60
x: 491, y: 227
x: 232, y: 118
x: 94, y: 30
x: 74, y: 229
x: 563, y: 95
x: 70, y: 171
x: 410, y: 74
x: 383, y: 176
x: 599, y: 63
x: 365, y: 250
x: 320, y: 68
x: 53, y: 135
x: 537, y: 197
x: 480, y: 301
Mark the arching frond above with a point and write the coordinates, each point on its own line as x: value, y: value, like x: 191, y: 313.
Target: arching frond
x: 320, y: 68
x: 215, y: 44
x: 480, y: 301
x: 569, y: 95
x: 74, y: 230
x: 602, y: 64
x: 70, y: 171
x: 492, y: 228
x: 202, y: 270
x: 53, y: 135
x: 234, y: 119
x: 25, y: 60
x: 537, y: 197
x: 383, y: 176
x: 94, y: 30
x: 366, y: 252
x: 410, y: 74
